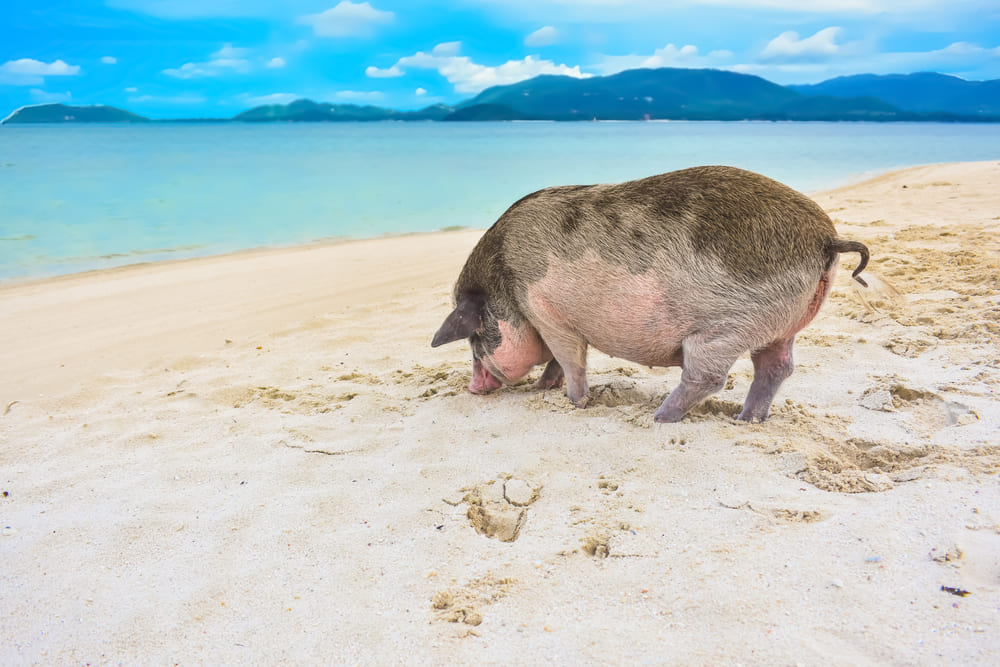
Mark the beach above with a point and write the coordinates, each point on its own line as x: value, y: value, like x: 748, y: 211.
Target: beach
x: 258, y: 458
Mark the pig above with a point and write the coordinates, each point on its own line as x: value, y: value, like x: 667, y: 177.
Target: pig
x: 691, y: 268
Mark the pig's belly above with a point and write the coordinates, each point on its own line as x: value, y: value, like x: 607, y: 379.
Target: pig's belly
x: 630, y: 318
x: 645, y: 341
x: 656, y: 352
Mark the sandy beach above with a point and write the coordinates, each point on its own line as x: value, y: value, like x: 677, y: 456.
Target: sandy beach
x: 259, y: 459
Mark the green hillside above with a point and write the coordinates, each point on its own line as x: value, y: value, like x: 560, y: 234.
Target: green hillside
x: 923, y: 92
x: 62, y: 113
x: 307, y: 110
x: 640, y: 94
x: 669, y: 93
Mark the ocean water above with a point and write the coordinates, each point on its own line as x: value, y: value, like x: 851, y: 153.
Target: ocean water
x: 79, y: 197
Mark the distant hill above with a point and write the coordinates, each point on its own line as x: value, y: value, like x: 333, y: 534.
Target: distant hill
x: 62, y: 113
x: 307, y: 110
x: 639, y: 94
x: 923, y: 92
x: 670, y: 93
x: 485, y: 112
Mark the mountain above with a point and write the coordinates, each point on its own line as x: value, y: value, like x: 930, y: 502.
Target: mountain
x: 485, y: 112
x: 307, y: 110
x: 640, y: 94
x: 670, y: 93
x: 61, y: 113
x: 923, y: 92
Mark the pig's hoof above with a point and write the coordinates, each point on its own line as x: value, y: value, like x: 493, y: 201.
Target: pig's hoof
x: 752, y: 417
x: 667, y: 416
x: 581, y: 404
x: 547, y: 383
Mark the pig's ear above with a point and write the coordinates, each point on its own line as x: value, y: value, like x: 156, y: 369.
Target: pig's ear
x: 466, y: 319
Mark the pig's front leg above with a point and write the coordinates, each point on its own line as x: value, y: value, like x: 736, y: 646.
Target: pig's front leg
x: 552, y: 376
x: 706, y: 366
x: 570, y: 352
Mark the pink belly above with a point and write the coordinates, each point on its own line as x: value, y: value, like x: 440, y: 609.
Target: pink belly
x: 627, y: 318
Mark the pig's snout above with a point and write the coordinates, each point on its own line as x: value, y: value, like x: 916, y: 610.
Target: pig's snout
x: 483, y: 382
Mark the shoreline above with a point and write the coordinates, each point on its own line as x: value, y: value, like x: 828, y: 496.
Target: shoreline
x: 261, y: 459
x: 16, y: 281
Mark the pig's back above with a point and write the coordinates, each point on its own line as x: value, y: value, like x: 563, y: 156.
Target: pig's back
x: 753, y: 226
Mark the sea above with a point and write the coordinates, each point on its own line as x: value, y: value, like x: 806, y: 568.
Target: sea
x: 84, y: 197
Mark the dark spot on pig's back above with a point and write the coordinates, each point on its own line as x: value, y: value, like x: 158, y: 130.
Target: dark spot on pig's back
x: 570, y: 217
x: 754, y: 226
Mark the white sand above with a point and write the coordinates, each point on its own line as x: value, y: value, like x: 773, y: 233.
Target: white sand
x: 259, y: 459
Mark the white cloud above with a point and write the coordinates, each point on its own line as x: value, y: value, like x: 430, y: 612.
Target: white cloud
x: 668, y: 56
x: 387, y: 73
x: 469, y: 77
x: 230, y: 52
x: 190, y: 71
x: 447, y: 49
x: 348, y: 19
x: 787, y: 47
x: 420, y: 92
x: 30, y: 72
x: 273, y: 98
x: 964, y: 49
x: 275, y: 63
x: 109, y: 60
x: 131, y: 89
x: 542, y: 37
x: 226, y: 60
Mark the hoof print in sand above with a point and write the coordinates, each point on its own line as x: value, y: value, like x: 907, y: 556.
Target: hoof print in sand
x: 499, y: 508
x: 455, y: 610
x: 430, y: 382
x: 863, y: 466
x: 779, y: 514
x: 618, y: 540
x: 462, y: 605
x: 596, y: 545
x: 308, y: 401
x: 909, y: 346
x: 926, y: 410
x: 619, y: 393
x: 713, y: 408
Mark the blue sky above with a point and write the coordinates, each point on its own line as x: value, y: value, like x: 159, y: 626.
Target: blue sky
x: 184, y: 58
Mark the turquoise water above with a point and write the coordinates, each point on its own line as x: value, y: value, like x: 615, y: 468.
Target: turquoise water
x: 74, y: 198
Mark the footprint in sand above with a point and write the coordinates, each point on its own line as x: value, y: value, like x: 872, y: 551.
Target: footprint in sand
x: 499, y: 508
x: 925, y: 410
x: 464, y: 604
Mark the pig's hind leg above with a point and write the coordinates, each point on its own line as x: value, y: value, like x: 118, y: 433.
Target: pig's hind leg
x: 705, y: 369
x: 772, y: 364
